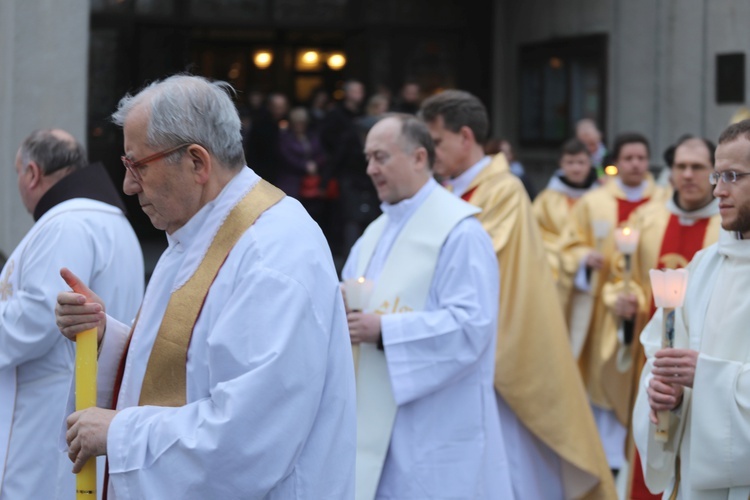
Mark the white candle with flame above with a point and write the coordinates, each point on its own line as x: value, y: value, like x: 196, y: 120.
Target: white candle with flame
x: 668, y: 288
x: 357, y: 292
x: 627, y: 240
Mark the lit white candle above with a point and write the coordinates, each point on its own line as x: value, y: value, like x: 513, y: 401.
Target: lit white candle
x: 357, y: 292
x: 668, y: 288
x: 627, y: 240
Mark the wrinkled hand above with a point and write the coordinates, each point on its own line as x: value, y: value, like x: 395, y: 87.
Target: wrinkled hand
x: 676, y: 366
x: 594, y: 260
x: 80, y: 309
x: 363, y: 327
x: 87, y: 435
x: 662, y: 397
x: 626, y: 306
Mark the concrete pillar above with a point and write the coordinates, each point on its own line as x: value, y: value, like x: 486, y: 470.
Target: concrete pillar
x: 43, y: 83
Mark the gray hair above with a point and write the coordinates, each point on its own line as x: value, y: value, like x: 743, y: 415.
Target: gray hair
x: 189, y: 109
x: 52, y: 152
x: 414, y: 134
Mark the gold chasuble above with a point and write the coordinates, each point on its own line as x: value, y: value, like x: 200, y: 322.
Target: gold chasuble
x: 551, y: 210
x: 534, y: 370
x: 165, y: 381
x: 607, y: 386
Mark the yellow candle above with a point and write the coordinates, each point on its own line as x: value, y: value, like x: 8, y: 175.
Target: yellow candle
x: 86, y: 350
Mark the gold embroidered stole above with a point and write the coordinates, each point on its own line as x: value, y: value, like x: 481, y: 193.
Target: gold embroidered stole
x: 165, y: 381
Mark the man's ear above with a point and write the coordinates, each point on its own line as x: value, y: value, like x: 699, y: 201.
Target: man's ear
x: 467, y: 135
x: 35, y: 173
x: 201, y: 163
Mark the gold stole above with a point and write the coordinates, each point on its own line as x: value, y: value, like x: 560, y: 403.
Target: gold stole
x: 165, y: 381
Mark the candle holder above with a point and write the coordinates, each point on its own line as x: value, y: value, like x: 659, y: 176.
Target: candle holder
x: 86, y: 351
x: 668, y: 288
x: 627, y: 242
x: 357, y: 293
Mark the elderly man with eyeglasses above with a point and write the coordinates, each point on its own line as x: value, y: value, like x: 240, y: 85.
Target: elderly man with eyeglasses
x: 703, y: 383
x: 236, y: 379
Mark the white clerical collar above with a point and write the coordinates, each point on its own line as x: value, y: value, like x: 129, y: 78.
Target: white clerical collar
x: 405, y: 208
x: 187, y: 234
x: 632, y: 193
x: 556, y: 184
x: 733, y: 246
x: 691, y: 217
x: 460, y: 184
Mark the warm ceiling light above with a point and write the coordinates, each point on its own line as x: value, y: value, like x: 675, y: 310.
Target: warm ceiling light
x: 336, y: 61
x: 310, y: 57
x: 610, y: 170
x: 263, y: 59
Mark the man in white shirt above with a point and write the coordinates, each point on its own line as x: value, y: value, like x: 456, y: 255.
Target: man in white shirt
x: 79, y: 223
x: 236, y: 379
x: 702, y: 383
x: 427, y: 424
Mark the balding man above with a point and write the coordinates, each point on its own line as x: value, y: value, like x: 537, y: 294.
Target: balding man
x: 79, y: 223
x: 588, y: 133
x: 427, y: 424
x: 236, y: 380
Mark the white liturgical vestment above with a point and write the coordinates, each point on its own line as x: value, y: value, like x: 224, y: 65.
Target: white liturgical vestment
x: 270, y: 407
x: 446, y: 440
x: 95, y: 241
x: 709, y: 438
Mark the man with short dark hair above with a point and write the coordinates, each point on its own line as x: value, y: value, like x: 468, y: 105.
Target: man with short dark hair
x: 701, y: 384
x: 79, y: 223
x: 544, y: 414
x: 590, y: 260
x: 236, y: 379
x: 552, y: 206
x: 427, y: 425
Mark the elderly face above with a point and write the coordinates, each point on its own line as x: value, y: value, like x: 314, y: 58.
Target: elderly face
x: 397, y: 174
x: 734, y: 197
x: 24, y: 184
x: 632, y: 163
x: 690, y: 174
x: 166, y: 192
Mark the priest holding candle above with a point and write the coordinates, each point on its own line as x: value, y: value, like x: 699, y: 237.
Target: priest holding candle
x: 671, y: 232
x: 80, y: 223
x: 427, y: 425
x: 701, y: 386
x: 235, y: 380
x: 589, y: 269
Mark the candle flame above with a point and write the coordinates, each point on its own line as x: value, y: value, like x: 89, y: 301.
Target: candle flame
x: 361, y: 279
x: 626, y: 231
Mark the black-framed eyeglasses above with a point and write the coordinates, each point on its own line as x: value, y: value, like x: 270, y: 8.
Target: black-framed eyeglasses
x: 133, y: 165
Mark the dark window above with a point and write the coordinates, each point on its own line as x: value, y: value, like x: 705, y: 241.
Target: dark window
x: 561, y: 81
x: 730, y: 78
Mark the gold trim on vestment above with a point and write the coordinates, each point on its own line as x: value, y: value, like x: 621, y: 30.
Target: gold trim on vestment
x: 165, y: 381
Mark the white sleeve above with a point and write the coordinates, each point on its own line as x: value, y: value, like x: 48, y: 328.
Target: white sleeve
x: 429, y: 349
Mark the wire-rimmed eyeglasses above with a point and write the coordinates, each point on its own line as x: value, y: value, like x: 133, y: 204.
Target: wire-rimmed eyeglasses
x: 727, y: 177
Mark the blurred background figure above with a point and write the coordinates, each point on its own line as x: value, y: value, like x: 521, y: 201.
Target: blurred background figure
x: 377, y: 106
x: 320, y: 103
x: 409, y: 98
x: 588, y: 133
x: 358, y: 204
x: 263, y: 140
x: 302, y: 158
x: 495, y: 146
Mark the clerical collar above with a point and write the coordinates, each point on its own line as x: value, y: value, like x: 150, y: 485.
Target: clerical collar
x: 732, y: 245
x: 405, y: 208
x: 558, y: 182
x: 688, y: 218
x: 460, y: 184
x: 632, y: 193
x: 91, y: 182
